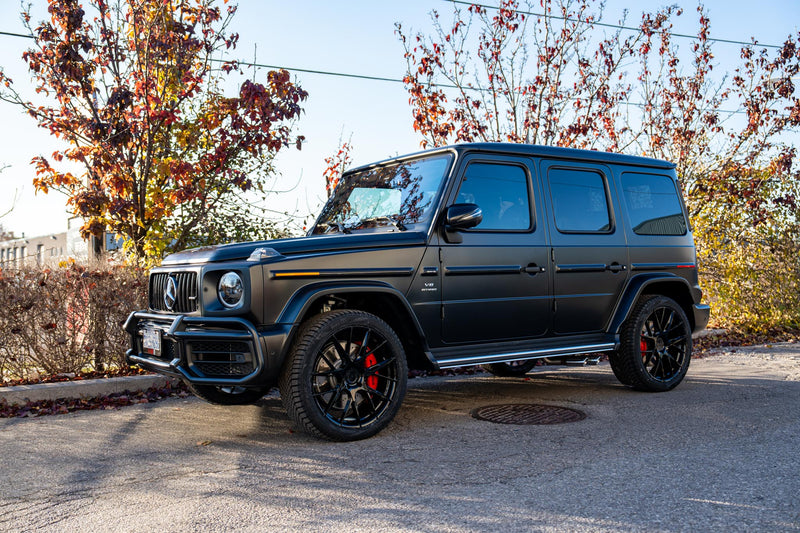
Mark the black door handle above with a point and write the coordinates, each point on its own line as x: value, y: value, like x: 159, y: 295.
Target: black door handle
x: 615, y: 267
x: 533, y: 269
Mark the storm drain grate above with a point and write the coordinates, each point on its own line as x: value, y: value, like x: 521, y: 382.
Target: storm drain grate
x: 527, y: 414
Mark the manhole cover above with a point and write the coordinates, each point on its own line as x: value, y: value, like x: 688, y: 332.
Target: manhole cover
x: 527, y: 413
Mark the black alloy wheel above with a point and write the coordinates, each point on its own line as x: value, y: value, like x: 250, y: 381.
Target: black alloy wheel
x: 655, y: 345
x: 346, y: 376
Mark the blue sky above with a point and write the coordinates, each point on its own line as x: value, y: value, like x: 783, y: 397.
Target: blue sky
x: 340, y: 36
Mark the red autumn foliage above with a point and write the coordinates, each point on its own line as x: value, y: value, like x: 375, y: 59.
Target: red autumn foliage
x: 134, y: 91
x: 336, y: 165
x: 557, y: 77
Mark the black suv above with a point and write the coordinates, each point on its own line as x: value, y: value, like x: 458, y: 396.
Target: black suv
x: 475, y: 254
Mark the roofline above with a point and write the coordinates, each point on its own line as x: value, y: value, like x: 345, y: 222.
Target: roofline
x: 532, y: 150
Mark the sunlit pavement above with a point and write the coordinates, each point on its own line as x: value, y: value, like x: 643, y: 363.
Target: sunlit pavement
x: 720, y: 453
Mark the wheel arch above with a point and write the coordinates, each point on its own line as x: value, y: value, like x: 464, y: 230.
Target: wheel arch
x: 661, y: 283
x: 377, y: 298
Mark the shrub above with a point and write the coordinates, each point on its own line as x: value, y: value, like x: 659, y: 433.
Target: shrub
x: 66, y: 319
x: 751, y: 280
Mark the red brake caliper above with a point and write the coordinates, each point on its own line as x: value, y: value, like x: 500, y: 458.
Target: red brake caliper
x: 643, y: 348
x: 370, y: 361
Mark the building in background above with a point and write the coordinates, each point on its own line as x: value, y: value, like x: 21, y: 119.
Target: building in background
x: 50, y: 249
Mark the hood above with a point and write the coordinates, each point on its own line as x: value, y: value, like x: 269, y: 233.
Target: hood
x: 299, y: 245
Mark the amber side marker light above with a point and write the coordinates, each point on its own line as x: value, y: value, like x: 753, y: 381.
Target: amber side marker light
x: 295, y: 274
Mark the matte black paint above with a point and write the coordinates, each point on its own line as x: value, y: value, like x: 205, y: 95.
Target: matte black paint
x: 461, y: 296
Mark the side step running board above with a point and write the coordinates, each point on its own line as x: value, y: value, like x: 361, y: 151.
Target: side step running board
x: 507, y: 357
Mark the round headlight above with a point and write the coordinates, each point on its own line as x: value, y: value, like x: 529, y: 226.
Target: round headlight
x: 230, y: 289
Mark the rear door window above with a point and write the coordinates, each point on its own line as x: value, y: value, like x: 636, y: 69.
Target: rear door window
x: 580, y: 201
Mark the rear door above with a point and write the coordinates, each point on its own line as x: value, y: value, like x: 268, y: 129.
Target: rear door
x: 495, y: 282
x: 589, y: 256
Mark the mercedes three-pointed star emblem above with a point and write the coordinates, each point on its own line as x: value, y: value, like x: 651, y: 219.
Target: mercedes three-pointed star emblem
x: 171, y: 293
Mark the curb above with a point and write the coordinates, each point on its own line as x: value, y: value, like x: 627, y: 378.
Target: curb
x: 708, y: 332
x: 90, y: 388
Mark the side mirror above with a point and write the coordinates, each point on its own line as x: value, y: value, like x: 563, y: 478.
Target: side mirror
x: 463, y: 216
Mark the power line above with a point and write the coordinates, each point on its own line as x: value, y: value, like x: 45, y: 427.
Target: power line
x: 400, y: 80
x: 374, y: 78
x: 16, y: 35
x: 615, y: 26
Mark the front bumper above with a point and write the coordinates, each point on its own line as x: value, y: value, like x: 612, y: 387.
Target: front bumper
x: 207, y: 350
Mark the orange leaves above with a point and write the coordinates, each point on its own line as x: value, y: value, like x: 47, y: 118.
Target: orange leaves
x: 336, y: 165
x: 138, y: 106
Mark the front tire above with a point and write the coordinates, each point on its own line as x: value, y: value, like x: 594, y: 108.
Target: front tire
x: 345, y: 377
x: 228, y: 395
x: 655, y: 346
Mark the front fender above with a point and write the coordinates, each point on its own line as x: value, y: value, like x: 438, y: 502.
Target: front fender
x: 301, y: 301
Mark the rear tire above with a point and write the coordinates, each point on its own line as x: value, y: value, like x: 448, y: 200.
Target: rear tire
x: 345, y: 377
x: 655, y: 346
x: 228, y: 395
x: 512, y: 369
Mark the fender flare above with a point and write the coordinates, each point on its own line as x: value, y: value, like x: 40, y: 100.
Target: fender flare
x: 301, y: 300
x: 635, y: 288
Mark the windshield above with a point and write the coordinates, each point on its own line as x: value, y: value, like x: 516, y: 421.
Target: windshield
x: 393, y: 196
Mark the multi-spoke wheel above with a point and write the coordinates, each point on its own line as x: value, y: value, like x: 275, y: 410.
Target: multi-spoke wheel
x: 345, y: 377
x: 512, y: 369
x: 228, y: 395
x: 655, y: 345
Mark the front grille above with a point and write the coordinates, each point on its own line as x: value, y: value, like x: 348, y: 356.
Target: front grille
x: 221, y: 358
x: 223, y: 348
x: 168, y: 350
x: 224, y: 369
x: 186, y: 291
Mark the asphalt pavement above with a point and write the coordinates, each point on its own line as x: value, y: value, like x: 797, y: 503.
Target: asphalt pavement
x: 719, y: 453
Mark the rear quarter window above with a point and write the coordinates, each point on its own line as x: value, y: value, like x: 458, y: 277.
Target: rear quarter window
x: 653, y: 204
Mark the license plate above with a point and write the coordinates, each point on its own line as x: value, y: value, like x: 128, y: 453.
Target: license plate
x: 151, y: 342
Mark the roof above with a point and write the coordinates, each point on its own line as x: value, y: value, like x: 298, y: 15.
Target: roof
x: 536, y: 150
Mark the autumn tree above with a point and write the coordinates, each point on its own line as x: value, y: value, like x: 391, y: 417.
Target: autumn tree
x: 134, y: 88
x: 336, y: 165
x: 556, y: 74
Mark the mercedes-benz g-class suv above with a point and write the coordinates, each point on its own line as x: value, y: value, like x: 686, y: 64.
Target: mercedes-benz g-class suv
x: 474, y: 254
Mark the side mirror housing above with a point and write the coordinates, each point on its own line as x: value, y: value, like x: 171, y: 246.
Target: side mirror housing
x: 460, y: 217
x: 463, y: 216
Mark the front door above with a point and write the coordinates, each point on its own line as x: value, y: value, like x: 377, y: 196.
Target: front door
x: 495, y: 282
